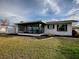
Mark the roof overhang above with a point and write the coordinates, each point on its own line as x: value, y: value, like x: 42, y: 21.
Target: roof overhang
x: 64, y: 21
x: 49, y: 22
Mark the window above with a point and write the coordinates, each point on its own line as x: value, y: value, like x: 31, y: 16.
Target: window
x: 51, y: 26
x: 62, y: 27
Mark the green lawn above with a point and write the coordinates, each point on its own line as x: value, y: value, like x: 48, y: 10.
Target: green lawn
x: 24, y: 47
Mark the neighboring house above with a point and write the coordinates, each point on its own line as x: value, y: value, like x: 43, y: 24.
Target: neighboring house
x: 76, y: 31
x: 6, y: 28
x: 3, y: 29
x: 38, y: 28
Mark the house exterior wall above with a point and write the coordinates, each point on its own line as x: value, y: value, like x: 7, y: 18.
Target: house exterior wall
x: 55, y: 32
x: 16, y: 28
x: 11, y: 30
x: 7, y: 29
x: 3, y: 29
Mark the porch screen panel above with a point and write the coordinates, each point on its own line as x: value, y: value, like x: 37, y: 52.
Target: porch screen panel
x: 34, y: 28
x: 21, y: 28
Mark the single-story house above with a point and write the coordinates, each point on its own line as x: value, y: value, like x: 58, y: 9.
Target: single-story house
x: 38, y: 28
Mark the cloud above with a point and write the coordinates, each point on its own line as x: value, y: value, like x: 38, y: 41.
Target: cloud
x: 44, y: 11
x: 20, y: 7
x: 73, y: 11
x: 29, y: 7
x: 25, y: 9
x: 76, y: 1
x: 13, y: 18
x: 51, y: 4
x: 73, y: 14
x: 13, y: 11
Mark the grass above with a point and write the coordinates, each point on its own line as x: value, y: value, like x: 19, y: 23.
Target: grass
x: 70, y: 48
x: 24, y: 47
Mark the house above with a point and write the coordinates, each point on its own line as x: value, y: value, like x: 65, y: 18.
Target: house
x: 5, y: 28
x: 38, y: 28
x: 76, y: 31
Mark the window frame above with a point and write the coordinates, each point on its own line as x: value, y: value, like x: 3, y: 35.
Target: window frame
x: 50, y: 26
x: 63, y: 29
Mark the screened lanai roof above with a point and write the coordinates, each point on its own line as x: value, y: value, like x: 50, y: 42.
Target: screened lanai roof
x: 48, y: 22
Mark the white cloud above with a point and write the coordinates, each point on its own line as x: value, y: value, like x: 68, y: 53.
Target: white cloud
x: 52, y: 4
x: 73, y: 11
x: 75, y: 17
x: 44, y: 11
x: 73, y: 14
x: 14, y: 17
x: 76, y: 1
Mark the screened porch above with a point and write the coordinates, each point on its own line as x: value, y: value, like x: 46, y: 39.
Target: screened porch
x: 31, y: 28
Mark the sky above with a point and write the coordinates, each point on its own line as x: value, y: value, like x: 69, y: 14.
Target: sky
x: 27, y: 10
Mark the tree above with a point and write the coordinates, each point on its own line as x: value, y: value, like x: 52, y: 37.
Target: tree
x: 4, y: 22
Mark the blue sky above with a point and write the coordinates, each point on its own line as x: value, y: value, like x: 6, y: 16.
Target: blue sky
x: 25, y: 10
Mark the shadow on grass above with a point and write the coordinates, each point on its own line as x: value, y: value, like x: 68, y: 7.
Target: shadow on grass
x: 15, y: 35
x: 37, y: 37
x: 7, y: 35
x: 66, y: 37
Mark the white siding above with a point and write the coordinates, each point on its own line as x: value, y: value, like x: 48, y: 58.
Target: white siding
x: 55, y: 32
x: 11, y: 30
x: 3, y: 29
x: 7, y: 29
x: 16, y: 28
